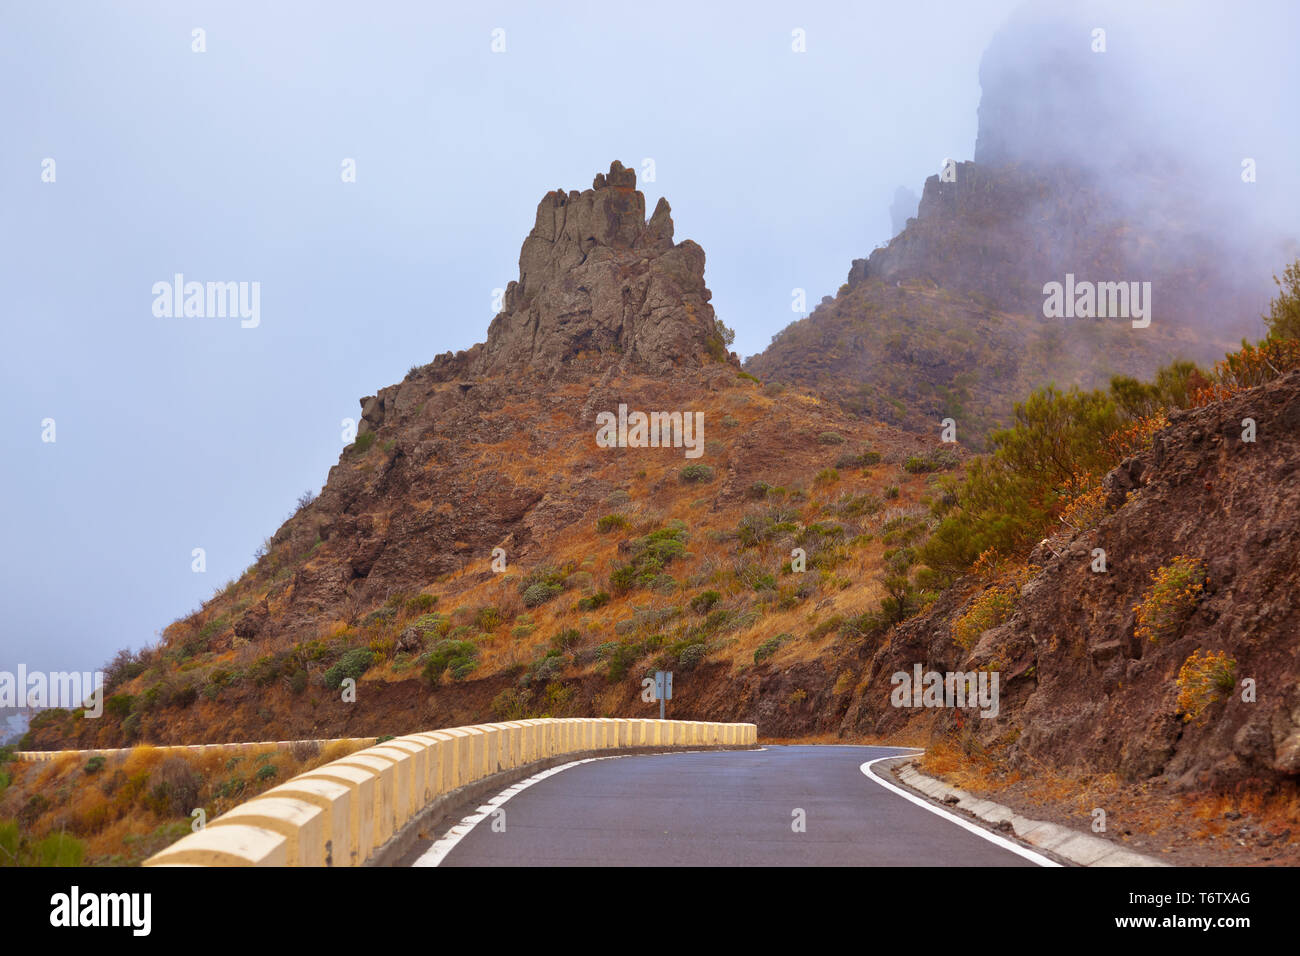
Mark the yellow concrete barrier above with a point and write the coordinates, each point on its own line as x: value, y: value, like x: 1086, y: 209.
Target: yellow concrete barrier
x: 445, y: 773
x: 300, y: 823
x: 472, y: 742
x: 361, y: 785
x: 226, y: 846
x: 342, y: 826
x: 512, y: 752
x: 385, y: 791
x: 341, y: 813
x: 429, y: 782
x: 404, y: 775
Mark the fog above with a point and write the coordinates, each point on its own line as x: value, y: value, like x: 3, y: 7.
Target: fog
x: 224, y: 165
x: 1183, y: 115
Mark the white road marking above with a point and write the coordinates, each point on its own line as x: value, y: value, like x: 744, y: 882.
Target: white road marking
x: 438, y: 852
x: 1006, y: 844
x: 440, y: 848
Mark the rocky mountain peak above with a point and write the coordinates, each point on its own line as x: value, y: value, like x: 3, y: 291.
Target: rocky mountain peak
x: 596, y: 279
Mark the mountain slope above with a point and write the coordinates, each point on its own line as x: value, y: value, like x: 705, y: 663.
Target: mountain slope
x: 611, y: 561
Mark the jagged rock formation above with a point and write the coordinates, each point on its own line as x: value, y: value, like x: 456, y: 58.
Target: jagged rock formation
x: 596, y: 278
x: 602, y: 294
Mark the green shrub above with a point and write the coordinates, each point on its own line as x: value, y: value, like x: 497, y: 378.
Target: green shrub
x: 696, y: 473
x: 937, y: 459
x: 593, y: 602
x: 1283, y: 319
x: 769, y: 647
x: 353, y: 664
x: 431, y: 623
x: 119, y: 705
x: 717, y: 619
x: 1007, y: 498
x: 538, y: 594
x: 826, y: 476
x: 691, y: 656
x: 541, y: 585
x: 864, y: 460
x: 703, y: 602
x: 94, y: 764
x: 890, y: 493
x: 460, y: 657
x: 298, y: 681
x: 565, y: 640
x: 650, y: 555
x: 175, y: 789
x: 611, y: 522
x: 10, y: 843
x: 513, y: 703
x: 185, y: 696
x: 620, y: 657
x: 58, y: 849
x: 832, y: 623
x: 265, y: 773
x: 830, y: 438
x: 489, y: 618
x: 421, y: 604
x: 363, y: 443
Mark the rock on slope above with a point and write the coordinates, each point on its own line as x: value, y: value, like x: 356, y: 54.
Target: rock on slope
x: 1079, y: 689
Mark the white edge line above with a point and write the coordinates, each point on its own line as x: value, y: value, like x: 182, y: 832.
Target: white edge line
x: 1006, y: 844
x: 438, y: 852
x: 457, y: 832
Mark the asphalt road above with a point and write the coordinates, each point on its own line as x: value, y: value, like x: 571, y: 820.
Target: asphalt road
x: 725, y: 808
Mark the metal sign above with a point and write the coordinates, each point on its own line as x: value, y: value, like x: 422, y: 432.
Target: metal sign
x: 663, y: 689
x: 663, y: 685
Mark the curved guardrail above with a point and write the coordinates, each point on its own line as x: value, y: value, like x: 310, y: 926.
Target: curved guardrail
x: 343, y: 812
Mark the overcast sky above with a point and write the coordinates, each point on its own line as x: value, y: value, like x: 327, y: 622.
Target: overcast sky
x: 181, y: 433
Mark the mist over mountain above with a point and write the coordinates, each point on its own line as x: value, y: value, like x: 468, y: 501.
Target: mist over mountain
x: 1100, y: 155
x: 1116, y: 95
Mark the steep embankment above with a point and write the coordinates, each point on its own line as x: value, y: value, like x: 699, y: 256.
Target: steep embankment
x: 1101, y: 672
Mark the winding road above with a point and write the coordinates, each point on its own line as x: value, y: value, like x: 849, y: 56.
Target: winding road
x: 776, y: 806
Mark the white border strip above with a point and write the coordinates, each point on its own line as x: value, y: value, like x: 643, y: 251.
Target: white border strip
x: 438, y: 852
x: 1006, y: 844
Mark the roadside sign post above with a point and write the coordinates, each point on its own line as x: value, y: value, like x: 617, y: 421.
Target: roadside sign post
x: 663, y: 689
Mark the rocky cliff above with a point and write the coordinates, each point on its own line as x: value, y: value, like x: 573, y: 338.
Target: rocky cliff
x: 947, y: 319
x: 597, y: 279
